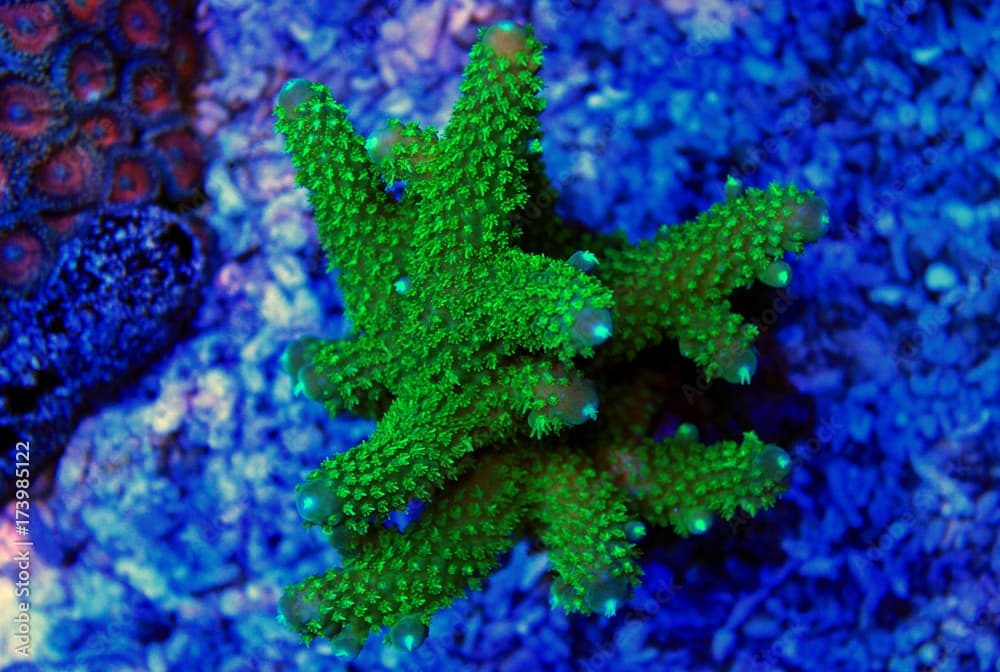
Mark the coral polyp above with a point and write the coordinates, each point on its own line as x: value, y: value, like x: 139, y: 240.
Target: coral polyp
x: 106, y: 126
x: 68, y: 176
x: 141, y: 25
x: 147, y: 87
x: 21, y: 258
x: 134, y: 179
x: 87, y: 13
x: 86, y: 69
x: 28, y: 111
x: 181, y: 160
x: 31, y: 27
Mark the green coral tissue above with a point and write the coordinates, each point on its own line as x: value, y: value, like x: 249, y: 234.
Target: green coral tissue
x: 484, y: 343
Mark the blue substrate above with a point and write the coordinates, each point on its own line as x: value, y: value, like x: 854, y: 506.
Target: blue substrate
x: 171, y: 526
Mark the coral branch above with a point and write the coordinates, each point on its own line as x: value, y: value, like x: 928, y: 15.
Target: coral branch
x: 484, y: 332
x: 388, y: 577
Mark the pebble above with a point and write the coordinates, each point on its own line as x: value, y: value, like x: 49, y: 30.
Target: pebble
x: 143, y: 577
x: 860, y: 426
x: 723, y: 640
x: 608, y: 98
x: 977, y: 139
x: 155, y: 658
x: 225, y: 196
x: 759, y: 69
x: 970, y: 30
x: 906, y: 113
x: 263, y: 345
x: 253, y: 378
x: 924, y: 385
x: 303, y: 441
x: 265, y: 175
x: 423, y: 28
x: 822, y: 567
x: 275, y: 307
x: 928, y: 114
x: 317, y: 42
x: 944, y: 349
x: 397, y: 103
x: 959, y: 213
x: 393, y: 31
x: 287, y: 270
x: 940, y: 277
x: 912, y: 634
x: 228, y: 5
x: 679, y: 106
x: 166, y: 415
x: 987, y: 511
x: 216, y: 396
x: 956, y: 502
x: 986, y: 649
x: 285, y: 221
x: 394, y: 65
x: 888, y: 295
x: 926, y: 55
x: 955, y: 628
x: 948, y: 383
x: 870, y: 578
x: 307, y: 312
x: 885, y: 223
x: 900, y: 256
x: 929, y: 653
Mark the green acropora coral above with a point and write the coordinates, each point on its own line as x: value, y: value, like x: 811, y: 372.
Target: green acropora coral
x: 483, y: 331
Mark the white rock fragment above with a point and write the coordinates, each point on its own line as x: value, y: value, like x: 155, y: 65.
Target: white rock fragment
x: 275, y: 307
x: 167, y: 413
x: 224, y: 194
x: 287, y: 270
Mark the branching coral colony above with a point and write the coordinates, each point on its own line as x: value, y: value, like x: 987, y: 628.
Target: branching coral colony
x: 474, y: 352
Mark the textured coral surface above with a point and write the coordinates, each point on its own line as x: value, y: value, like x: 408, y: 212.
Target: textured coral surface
x: 470, y: 349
